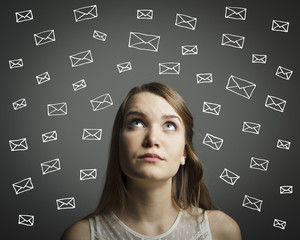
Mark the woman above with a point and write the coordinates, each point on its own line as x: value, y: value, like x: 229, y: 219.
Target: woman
x: 154, y: 185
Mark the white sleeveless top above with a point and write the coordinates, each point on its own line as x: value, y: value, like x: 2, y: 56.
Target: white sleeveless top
x: 185, y: 227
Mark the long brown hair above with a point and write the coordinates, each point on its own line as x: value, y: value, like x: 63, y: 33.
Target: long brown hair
x: 188, y: 186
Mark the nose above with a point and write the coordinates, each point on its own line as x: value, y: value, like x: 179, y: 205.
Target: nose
x: 151, y: 138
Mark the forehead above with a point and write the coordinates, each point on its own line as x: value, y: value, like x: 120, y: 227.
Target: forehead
x: 150, y: 102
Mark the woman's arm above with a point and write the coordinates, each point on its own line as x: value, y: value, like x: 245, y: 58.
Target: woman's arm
x: 78, y: 231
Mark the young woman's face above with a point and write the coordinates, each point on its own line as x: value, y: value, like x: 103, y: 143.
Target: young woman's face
x: 152, y: 142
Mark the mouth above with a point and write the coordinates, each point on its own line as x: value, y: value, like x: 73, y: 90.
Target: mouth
x: 150, y: 157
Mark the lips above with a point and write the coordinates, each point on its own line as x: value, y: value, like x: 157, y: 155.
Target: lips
x: 150, y: 157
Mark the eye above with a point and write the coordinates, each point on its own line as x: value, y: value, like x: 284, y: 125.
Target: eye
x: 136, y: 123
x: 170, y: 126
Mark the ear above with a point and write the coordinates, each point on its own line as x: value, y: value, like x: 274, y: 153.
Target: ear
x: 182, y: 162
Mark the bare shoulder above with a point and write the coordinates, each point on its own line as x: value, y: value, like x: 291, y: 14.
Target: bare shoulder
x: 78, y: 231
x: 223, y: 226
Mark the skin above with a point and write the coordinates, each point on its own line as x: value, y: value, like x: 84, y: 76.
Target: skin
x: 151, y: 125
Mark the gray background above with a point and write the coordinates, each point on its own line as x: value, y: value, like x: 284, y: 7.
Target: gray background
x: 117, y: 19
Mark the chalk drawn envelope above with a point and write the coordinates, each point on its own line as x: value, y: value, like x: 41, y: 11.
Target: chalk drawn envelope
x: 101, y: 102
x: 85, y: 13
x: 79, y: 85
x: 143, y: 41
x: 251, y: 127
x: 211, y: 108
x: 18, y: 144
x: 212, y: 141
x: 24, y: 16
x: 204, y: 78
x: 15, y: 63
x: 23, y: 186
x: 91, y: 134
x: 252, y: 203
x: 275, y: 103
x: 99, y: 35
x: 286, y: 189
x: 283, y: 144
x: 189, y: 50
x: 240, y: 86
x: 81, y: 58
x: 185, y: 21
x: 231, y: 40
x: 279, y: 224
x: 229, y: 176
x: 49, y: 136
x: 123, y: 67
x: 57, y: 109
x: 88, y: 174
x: 169, y: 68
x: 26, y: 220
x: 144, y: 14
x: 284, y: 73
x: 280, y: 26
x: 44, y: 37
x: 21, y: 103
x: 65, y: 203
x: 43, y: 77
x: 259, y: 58
x: 236, y: 13
x: 259, y: 164
x: 50, y: 166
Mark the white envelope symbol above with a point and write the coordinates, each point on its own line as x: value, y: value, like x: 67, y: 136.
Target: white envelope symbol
x: 232, y: 40
x: 279, y: 224
x: 44, y: 37
x: 23, y: 185
x: 280, y: 26
x: 212, y: 141
x: 50, y: 166
x: 252, y: 203
x: 19, y: 104
x: 49, y: 136
x: 27, y: 220
x: 143, y: 41
x: 259, y: 58
x: 211, y: 108
x: 81, y: 58
x: 229, y: 176
x: 87, y: 174
x: 275, y: 103
x: 240, y: 86
x: 286, y: 189
x: 284, y: 73
x: 144, y: 14
x: 189, y: 50
x: 123, y: 67
x: 236, y: 13
x: 85, y: 13
x: 283, y: 144
x: 185, y: 21
x: 101, y: 102
x: 24, y: 16
x: 43, y: 77
x: 259, y: 164
x: 57, y: 109
x: 65, y: 203
x: 204, y: 78
x: 18, y: 144
x: 169, y: 68
x: 91, y: 134
x: 99, y: 35
x: 16, y: 63
x: 251, y: 127
x: 79, y: 85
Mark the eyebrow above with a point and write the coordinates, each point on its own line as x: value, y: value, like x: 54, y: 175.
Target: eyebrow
x: 164, y: 116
